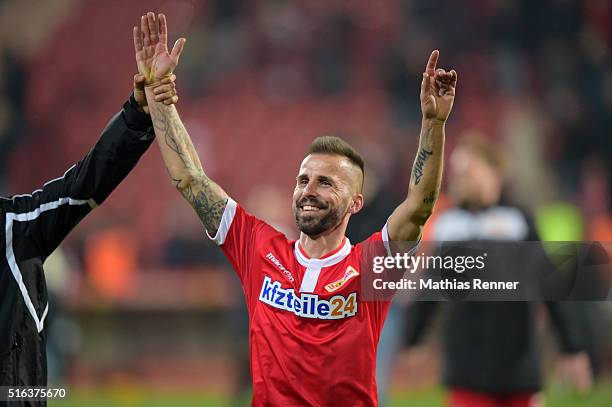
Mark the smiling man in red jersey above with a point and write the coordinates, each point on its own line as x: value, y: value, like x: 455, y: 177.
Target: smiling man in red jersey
x: 312, y: 336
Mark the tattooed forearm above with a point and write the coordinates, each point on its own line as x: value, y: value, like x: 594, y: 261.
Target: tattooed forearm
x: 417, y: 171
x: 179, y: 141
x: 409, y: 218
x: 183, y: 165
x: 427, y: 137
x: 174, y: 134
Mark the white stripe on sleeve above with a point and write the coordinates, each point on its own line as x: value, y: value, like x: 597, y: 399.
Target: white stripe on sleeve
x: 226, y: 222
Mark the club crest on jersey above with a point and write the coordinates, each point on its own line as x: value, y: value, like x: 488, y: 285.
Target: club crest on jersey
x: 348, y: 274
x: 307, y: 305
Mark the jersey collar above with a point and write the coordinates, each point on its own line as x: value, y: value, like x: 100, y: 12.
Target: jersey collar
x: 335, y: 257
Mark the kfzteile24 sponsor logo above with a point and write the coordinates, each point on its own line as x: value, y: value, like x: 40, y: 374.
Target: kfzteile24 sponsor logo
x: 307, y: 305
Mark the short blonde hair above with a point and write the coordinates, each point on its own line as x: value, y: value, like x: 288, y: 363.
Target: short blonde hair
x: 490, y: 152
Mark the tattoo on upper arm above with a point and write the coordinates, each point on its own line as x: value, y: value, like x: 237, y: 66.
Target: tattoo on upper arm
x: 431, y: 198
x: 420, y: 164
x: 204, y: 197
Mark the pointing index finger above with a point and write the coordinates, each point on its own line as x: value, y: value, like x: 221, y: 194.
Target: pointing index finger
x: 431, y: 64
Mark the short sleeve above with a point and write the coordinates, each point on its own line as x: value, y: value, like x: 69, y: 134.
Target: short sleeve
x: 236, y: 236
x: 377, y: 302
x: 381, y: 238
x: 374, y: 249
x: 373, y: 253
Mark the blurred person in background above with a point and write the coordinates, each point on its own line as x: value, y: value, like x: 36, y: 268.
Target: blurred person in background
x: 490, y: 349
x: 312, y: 340
x: 35, y: 224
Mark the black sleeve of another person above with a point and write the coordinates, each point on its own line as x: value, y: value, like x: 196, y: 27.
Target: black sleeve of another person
x: 565, y: 317
x: 51, y: 212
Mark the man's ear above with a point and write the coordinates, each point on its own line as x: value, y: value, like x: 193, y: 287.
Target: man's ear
x: 356, y: 204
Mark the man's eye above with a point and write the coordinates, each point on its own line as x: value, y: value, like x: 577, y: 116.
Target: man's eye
x: 303, y: 181
x: 325, y: 182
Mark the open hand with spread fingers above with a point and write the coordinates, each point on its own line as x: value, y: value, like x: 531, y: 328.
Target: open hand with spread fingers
x: 437, y: 90
x: 151, y: 48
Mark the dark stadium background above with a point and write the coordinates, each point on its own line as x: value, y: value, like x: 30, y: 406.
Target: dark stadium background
x: 145, y: 311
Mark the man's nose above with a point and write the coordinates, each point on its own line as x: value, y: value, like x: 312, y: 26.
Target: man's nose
x: 310, y: 189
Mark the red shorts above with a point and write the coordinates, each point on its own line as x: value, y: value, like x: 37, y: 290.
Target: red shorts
x: 467, y: 398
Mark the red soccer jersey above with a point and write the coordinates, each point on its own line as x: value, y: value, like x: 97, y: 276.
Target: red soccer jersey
x: 312, y: 338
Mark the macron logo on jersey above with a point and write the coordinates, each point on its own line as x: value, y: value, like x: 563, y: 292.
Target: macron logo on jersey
x: 307, y: 305
x: 282, y: 268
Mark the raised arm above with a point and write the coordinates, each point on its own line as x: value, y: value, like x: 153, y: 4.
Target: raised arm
x: 48, y: 214
x: 179, y: 155
x: 437, y: 96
